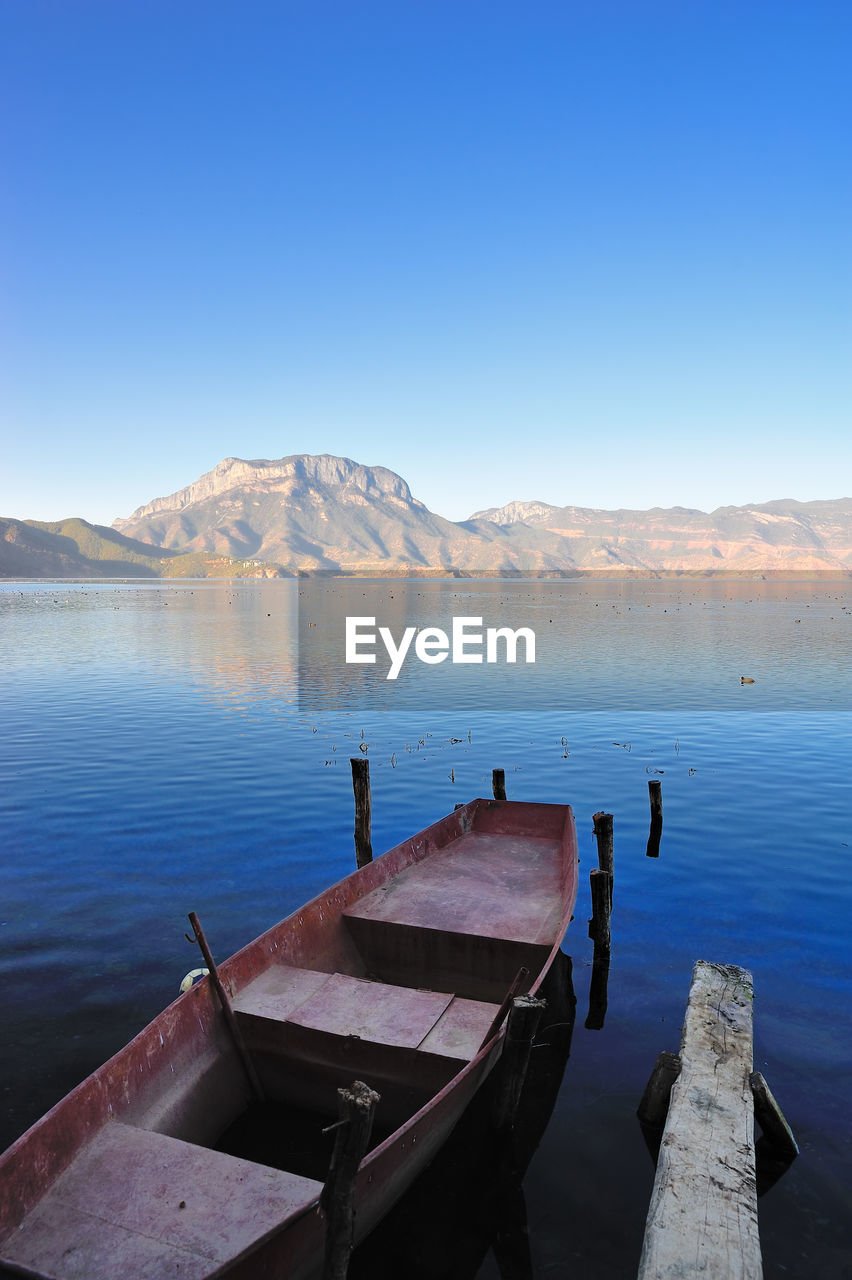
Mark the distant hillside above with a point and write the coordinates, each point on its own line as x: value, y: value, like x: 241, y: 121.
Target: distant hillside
x: 76, y: 549
x: 785, y: 534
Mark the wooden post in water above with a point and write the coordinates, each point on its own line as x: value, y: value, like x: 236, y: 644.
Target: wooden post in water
x: 598, y: 989
x: 498, y: 783
x: 363, y: 810
x: 357, y: 1106
x: 558, y: 990
x: 654, y: 1105
x: 601, y: 885
x: 655, y: 795
x: 770, y: 1117
x: 599, y: 931
x: 524, y: 1017
x: 702, y: 1220
x: 604, y: 837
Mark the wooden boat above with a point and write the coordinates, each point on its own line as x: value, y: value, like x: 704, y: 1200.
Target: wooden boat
x: 394, y: 976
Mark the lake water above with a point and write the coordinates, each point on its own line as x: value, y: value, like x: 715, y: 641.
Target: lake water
x: 159, y: 756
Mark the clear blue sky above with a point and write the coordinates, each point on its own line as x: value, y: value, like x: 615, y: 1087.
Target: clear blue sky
x: 589, y: 252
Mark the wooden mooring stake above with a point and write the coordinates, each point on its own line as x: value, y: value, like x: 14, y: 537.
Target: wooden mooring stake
x: 601, y: 886
x: 524, y: 1017
x: 363, y: 810
x: 702, y: 1220
x: 598, y: 989
x: 357, y: 1105
x: 498, y: 783
x: 604, y: 837
x: 600, y: 882
x: 654, y: 1105
x: 655, y: 796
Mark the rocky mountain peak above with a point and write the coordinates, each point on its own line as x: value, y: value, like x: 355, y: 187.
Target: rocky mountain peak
x: 516, y: 513
x: 322, y: 470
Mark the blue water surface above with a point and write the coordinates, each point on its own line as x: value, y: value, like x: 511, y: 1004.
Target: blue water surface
x: 157, y: 759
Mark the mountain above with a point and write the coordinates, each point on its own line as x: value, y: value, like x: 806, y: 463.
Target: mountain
x: 308, y: 511
x: 784, y: 534
x: 316, y: 512
x: 517, y: 513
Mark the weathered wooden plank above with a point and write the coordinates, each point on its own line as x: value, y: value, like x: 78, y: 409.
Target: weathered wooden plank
x: 702, y: 1220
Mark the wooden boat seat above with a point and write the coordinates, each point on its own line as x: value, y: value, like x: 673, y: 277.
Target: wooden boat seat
x: 468, y: 917
x: 144, y: 1205
x: 379, y: 1013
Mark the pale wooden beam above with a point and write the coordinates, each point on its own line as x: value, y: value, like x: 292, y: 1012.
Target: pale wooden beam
x: 702, y: 1220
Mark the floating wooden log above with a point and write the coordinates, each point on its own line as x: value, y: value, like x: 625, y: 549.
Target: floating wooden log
x: 357, y: 1106
x: 363, y: 810
x: 498, y: 783
x: 702, y: 1220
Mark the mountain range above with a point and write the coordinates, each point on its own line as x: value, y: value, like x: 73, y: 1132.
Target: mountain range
x: 316, y: 512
